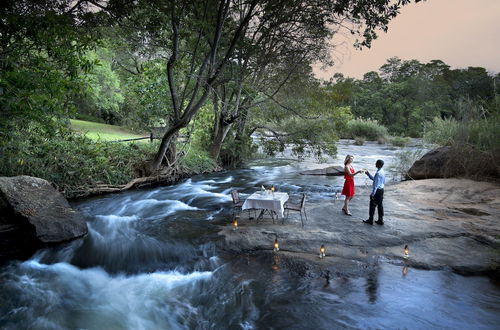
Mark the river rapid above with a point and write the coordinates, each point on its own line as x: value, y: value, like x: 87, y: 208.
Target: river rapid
x: 152, y: 260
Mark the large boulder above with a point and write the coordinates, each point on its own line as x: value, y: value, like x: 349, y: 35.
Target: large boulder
x: 433, y: 164
x: 34, y: 214
x: 329, y: 171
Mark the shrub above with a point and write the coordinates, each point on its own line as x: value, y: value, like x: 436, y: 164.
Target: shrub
x: 400, y: 141
x: 483, y: 134
x: 359, y: 140
x: 404, y: 161
x: 441, y: 131
x: 475, y: 145
x: 72, y: 162
x: 199, y: 161
x: 370, y: 129
x: 75, y: 163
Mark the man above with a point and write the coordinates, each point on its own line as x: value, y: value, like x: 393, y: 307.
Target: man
x: 377, y: 194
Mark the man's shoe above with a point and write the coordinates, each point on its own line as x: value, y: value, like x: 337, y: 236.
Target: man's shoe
x: 379, y: 222
x: 368, y: 222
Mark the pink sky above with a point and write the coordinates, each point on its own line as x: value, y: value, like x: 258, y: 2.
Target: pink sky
x: 461, y: 33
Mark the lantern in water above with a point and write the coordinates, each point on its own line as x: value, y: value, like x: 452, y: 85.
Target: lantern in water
x: 406, y: 252
x: 276, y: 245
x: 235, y: 224
x: 322, y: 251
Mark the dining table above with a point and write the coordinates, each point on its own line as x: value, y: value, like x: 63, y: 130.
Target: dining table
x: 272, y: 202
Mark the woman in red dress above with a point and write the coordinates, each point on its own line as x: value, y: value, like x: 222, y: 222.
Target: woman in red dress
x: 348, y: 189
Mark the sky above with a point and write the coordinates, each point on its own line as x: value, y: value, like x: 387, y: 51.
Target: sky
x: 461, y: 33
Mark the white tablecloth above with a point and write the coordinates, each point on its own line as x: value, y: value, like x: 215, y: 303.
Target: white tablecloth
x: 259, y: 200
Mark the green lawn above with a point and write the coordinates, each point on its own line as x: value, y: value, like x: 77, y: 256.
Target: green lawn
x: 104, y: 132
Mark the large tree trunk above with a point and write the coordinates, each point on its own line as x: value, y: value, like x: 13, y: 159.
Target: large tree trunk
x: 166, y: 142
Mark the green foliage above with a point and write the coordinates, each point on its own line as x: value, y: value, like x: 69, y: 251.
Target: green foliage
x: 103, y: 92
x: 41, y: 58
x: 475, y: 145
x: 404, y: 95
x: 86, y: 117
x: 400, y: 141
x: 201, y: 127
x: 370, y: 129
x: 199, y: 161
x: 236, y: 149
x: 403, y: 162
x: 482, y: 134
x: 441, y: 131
x: 359, y: 140
x: 70, y: 161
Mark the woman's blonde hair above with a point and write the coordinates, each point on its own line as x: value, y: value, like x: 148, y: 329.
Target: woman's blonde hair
x: 347, y: 158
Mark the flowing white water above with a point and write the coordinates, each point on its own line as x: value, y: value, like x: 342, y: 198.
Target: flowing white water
x: 150, y: 261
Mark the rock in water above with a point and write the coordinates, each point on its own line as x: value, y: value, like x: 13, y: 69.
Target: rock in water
x: 433, y: 164
x: 329, y: 171
x: 34, y: 214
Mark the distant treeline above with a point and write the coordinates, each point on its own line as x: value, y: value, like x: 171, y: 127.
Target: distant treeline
x: 404, y: 95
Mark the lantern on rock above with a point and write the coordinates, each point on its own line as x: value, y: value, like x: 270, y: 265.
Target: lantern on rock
x: 406, y: 252
x: 322, y: 251
x: 276, y: 245
x: 235, y: 224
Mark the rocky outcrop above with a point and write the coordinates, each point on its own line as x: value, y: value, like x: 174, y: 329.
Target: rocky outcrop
x: 34, y: 214
x: 447, y: 223
x: 432, y: 165
x: 330, y: 171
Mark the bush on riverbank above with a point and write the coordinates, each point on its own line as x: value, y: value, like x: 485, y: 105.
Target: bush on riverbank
x: 74, y: 162
x: 369, y: 129
x: 400, y: 141
x: 475, y: 144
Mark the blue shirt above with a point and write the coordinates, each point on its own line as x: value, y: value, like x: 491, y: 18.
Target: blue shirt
x: 378, y: 180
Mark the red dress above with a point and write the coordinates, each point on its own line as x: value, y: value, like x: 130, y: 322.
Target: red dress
x: 348, y: 190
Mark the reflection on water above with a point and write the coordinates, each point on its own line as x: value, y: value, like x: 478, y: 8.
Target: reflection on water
x: 151, y: 261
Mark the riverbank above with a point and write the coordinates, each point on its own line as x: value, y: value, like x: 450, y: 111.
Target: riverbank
x: 447, y: 223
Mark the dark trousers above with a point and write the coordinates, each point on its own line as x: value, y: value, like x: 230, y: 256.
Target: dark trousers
x: 376, y: 201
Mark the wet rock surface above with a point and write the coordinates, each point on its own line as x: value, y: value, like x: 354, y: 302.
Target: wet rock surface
x: 34, y: 214
x: 447, y: 224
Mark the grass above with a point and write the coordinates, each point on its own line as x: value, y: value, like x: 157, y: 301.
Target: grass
x: 103, y: 132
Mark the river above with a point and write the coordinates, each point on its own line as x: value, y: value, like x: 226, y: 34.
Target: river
x: 152, y: 260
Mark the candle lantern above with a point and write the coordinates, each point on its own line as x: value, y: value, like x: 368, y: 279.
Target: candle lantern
x: 322, y: 251
x: 406, y: 252
x: 276, y: 245
x: 235, y: 224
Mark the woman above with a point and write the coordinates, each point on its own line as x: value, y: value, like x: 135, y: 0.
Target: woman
x: 348, y: 189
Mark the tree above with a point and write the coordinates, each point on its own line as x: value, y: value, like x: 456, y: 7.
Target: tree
x: 201, y: 39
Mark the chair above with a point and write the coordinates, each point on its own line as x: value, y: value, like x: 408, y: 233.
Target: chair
x: 301, y: 207
x: 237, y: 203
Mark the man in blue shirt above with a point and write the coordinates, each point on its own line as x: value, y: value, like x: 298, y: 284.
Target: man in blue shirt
x: 377, y: 194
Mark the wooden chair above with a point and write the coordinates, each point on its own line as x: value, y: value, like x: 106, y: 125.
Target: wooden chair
x: 301, y: 207
x: 237, y: 203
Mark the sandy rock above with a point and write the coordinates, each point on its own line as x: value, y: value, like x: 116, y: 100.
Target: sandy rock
x: 33, y: 214
x: 447, y: 223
